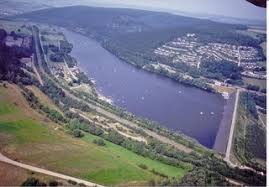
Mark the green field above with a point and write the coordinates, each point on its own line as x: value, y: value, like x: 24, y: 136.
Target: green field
x: 44, y: 144
x: 259, y: 82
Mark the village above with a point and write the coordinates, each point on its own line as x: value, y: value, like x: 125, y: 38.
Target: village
x: 189, y: 50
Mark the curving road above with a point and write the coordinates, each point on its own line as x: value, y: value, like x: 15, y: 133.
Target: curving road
x: 46, y: 172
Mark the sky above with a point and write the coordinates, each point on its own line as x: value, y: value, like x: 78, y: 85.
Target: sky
x: 197, y: 8
x: 230, y: 8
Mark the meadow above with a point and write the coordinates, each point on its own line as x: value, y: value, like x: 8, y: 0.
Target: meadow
x: 31, y: 138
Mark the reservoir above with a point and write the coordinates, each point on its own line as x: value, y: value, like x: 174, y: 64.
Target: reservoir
x: 192, y: 111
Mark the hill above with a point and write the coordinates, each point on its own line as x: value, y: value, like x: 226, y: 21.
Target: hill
x: 30, y: 137
x: 134, y: 35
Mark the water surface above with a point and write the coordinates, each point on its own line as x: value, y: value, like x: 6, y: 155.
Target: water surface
x: 192, y: 111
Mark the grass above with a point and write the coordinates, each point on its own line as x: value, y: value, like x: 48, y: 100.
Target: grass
x: 137, y: 160
x: 30, y: 138
x: 259, y: 82
x: 6, y: 108
x: 15, y: 176
x: 45, y: 100
x: 26, y: 131
x: 14, y: 26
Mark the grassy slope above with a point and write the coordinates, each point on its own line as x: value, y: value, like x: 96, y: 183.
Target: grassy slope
x: 45, y: 100
x: 241, y: 143
x: 29, y: 137
x: 15, y: 176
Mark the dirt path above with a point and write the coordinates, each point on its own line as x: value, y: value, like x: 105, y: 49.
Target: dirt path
x: 43, y: 171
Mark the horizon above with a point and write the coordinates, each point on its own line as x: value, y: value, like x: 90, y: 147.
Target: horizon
x: 219, y: 8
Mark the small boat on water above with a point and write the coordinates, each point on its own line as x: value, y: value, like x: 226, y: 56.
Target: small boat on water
x: 93, y: 81
x: 225, y: 95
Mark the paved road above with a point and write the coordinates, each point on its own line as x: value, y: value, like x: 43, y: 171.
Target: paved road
x: 230, y: 141
x: 37, y: 51
x: 102, y: 111
x: 46, y: 172
x: 37, y: 74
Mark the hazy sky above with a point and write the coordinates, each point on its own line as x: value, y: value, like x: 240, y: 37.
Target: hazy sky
x: 231, y: 8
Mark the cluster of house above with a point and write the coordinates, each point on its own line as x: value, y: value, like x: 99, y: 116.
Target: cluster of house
x: 189, y: 50
x: 21, y: 41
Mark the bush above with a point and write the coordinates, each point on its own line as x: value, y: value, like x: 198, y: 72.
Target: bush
x: 99, y: 142
x: 81, y: 184
x: 253, y: 87
x: 33, y: 182
x: 143, y: 166
x: 72, y: 182
x: 158, y: 173
x: 53, y: 183
x: 263, y: 90
x: 77, y: 133
x: 57, y: 57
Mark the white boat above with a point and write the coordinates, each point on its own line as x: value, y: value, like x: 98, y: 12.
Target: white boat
x: 225, y: 95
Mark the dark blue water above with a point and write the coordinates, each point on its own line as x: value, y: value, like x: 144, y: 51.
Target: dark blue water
x: 148, y: 95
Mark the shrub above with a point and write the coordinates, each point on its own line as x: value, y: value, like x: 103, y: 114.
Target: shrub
x: 263, y: 90
x: 81, y: 184
x: 158, y: 173
x: 33, y: 182
x: 143, y: 166
x: 77, y: 133
x: 99, y: 142
x: 253, y: 87
x: 72, y: 182
x: 53, y: 183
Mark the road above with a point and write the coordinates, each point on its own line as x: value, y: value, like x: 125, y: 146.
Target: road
x: 230, y: 141
x: 37, y: 73
x: 44, y: 171
x: 38, y: 58
x: 102, y: 111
